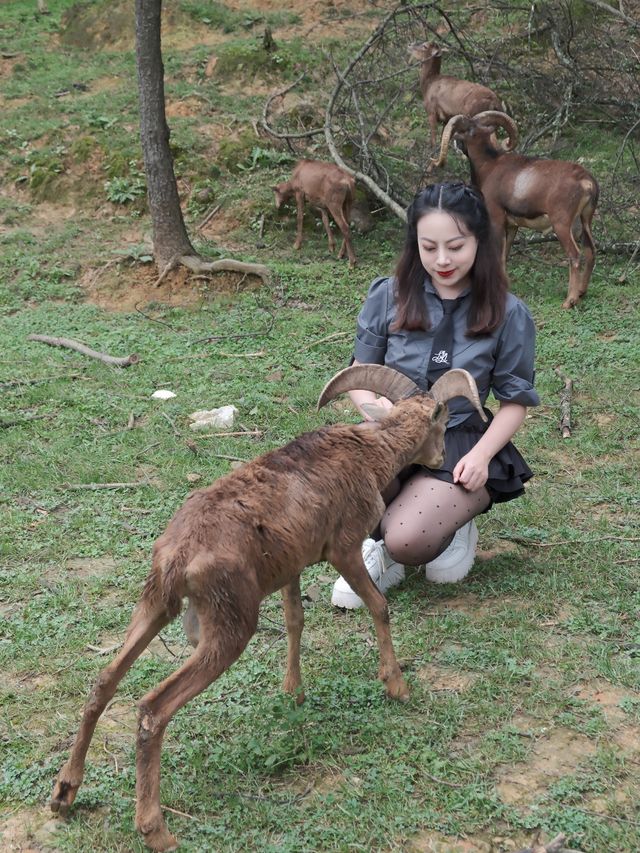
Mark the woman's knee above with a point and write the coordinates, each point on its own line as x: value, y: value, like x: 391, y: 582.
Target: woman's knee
x: 402, y: 547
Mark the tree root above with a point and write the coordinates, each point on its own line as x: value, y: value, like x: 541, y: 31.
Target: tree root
x: 198, y: 265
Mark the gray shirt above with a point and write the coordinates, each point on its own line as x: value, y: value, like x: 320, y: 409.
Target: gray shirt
x: 501, y: 362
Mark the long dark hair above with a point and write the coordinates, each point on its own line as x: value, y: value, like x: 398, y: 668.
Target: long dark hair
x: 489, y: 283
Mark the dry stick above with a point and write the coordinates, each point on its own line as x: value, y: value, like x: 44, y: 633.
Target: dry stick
x: 226, y: 434
x: 85, y: 350
x: 96, y: 486
x: 12, y: 383
x: 230, y: 458
x: 571, y: 541
x: 208, y: 217
x: 565, y: 404
x: 325, y: 340
x: 22, y: 422
x: 258, y: 354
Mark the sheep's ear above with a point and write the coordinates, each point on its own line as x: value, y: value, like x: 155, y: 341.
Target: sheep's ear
x: 375, y: 411
x: 440, y: 411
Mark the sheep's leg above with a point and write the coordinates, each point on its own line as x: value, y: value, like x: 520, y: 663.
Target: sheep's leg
x: 588, y: 248
x: 146, y: 622
x: 300, y: 219
x: 566, y: 239
x: 343, y: 225
x: 327, y: 228
x: 294, y: 618
x: 351, y: 566
x: 510, y: 236
x: 223, y: 636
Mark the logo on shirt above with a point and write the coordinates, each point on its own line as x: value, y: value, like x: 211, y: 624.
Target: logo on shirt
x: 441, y: 357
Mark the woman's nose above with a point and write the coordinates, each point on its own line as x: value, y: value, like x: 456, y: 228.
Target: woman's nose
x: 443, y: 257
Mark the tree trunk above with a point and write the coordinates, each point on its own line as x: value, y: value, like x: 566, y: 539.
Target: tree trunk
x: 170, y: 238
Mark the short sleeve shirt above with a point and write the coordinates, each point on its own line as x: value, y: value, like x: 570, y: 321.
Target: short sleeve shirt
x: 501, y: 362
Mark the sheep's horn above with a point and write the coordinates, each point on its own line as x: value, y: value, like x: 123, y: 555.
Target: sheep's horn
x: 504, y: 121
x: 381, y: 380
x: 446, y: 138
x: 457, y: 383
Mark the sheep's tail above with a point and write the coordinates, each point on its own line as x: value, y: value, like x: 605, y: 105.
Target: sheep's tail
x: 165, y: 583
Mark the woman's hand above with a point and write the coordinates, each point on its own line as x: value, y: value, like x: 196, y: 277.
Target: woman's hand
x: 472, y: 471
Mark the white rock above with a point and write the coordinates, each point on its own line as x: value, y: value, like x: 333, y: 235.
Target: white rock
x: 163, y: 394
x: 213, y: 418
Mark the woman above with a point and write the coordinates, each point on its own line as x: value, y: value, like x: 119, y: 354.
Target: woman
x: 447, y: 306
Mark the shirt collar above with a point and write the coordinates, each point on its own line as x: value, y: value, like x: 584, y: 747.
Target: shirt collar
x: 429, y: 288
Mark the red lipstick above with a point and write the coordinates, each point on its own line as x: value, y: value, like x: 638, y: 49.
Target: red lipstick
x: 446, y: 274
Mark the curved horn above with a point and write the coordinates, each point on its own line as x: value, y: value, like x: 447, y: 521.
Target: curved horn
x: 446, y: 138
x: 457, y: 383
x: 504, y: 121
x: 381, y: 380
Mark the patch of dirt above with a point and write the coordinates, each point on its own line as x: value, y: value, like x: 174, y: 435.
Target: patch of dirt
x: 28, y: 831
x: 119, y: 287
x: 440, y: 679
x: 436, y: 842
x: 89, y: 567
x: 555, y: 754
x: 26, y: 681
x: 502, y: 546
x: 607, y: 697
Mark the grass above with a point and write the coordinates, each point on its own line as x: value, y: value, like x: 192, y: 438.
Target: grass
x: 525, y: 707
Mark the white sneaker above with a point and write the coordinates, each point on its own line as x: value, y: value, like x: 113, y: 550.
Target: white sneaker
x: 455, y: 562
x: 384, y: 572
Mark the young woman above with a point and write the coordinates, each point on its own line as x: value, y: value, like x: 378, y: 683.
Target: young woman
x: 448, y: 305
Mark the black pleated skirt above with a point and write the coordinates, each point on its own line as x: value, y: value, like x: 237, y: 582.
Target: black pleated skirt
x: 508, y: 471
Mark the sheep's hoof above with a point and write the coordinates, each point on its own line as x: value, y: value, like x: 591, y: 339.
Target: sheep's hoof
x: 158, y: 837
x: 571, y: 301
x: 397, y: 689
x: 64, y: 793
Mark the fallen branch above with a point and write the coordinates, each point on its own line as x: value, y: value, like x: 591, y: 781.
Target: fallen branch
x: 520, y: 540
x: 265, y: 115
x: 12, y: 383
x: 208, y: 217
x: 22, y: 421
x: 325, y: 340
x: 85, y: 350
x: 227, y: 434
x: 96, y: 486
x: 565, y: 404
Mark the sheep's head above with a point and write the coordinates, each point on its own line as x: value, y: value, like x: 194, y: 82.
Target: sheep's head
x: 482, y: 126
x: 424, y: 51
x: 403, y: 392
x: 282, y: 193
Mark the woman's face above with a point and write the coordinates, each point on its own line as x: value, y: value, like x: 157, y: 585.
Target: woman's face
x: 447, y: 251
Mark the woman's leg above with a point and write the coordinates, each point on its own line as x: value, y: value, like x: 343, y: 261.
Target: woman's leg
x: 421, y: 521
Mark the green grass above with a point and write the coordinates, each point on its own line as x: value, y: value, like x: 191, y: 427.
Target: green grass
x: 526, y: 670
